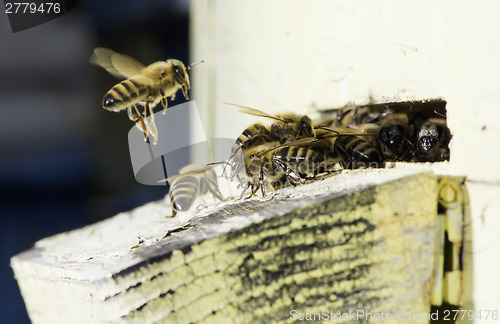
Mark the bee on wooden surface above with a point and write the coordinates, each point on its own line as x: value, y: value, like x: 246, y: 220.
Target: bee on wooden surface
x: 254, y: 135
x: 192, y: 182
x: 287, y: 127
x: 145, y: 86
x: 258, y: 170
x: 432, y: 139
x: 274, y: 166
x: 303, y: 159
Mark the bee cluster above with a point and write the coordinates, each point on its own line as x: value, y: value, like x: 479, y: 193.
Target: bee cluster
x: 295, y: 149
x: 410, y: 131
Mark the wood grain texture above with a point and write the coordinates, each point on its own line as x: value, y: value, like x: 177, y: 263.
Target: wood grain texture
x: 309, y: 249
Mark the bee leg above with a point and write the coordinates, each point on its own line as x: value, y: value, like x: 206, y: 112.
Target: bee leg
x: 151, y: 123
x: 135, y: 116
x: 261, y: 183
x: 148, y: 108
x: 355, y: 115
x: 153, y: 131
x: 213, y: 188
x: 174, y: 212
x: 164, y: 102
x: 185, y: 92
x: 245, y: 190
x: 216, y: 193
x: 292, y: 177
x: 255, y: 188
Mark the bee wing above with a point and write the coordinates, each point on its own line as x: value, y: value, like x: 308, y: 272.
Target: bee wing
x: 165, y: 180
x: 118, y: 65
x: 190, y: 169
x: 194, y: 168
x: 255, y: 112
x: 303, y: 142
x: 340, y: 131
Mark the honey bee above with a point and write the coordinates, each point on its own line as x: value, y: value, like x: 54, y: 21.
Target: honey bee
x: 145, y: 86
x: 294, y: 149
x: 259, y: 169
x: 383, y: 129
x: 357, y: 145
x: 193, y: 181
x: 394, y: 135
x: 432, y: 140
x: 357, y: 152
x: 287, y: 127
x: 273, y: 165
x: 358, y: 115
x: 305, y: 158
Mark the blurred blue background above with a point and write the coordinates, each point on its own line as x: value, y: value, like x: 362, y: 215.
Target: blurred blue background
x: 64, y: 161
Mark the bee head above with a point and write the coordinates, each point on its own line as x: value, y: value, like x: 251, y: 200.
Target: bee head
x: 305, y: 127
x: 181, y: 76
x: 428, y: 136
x: 393, y: 137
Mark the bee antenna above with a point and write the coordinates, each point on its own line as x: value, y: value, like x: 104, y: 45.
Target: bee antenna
x: 326, y: 128
x: 216, y: 163
x: 409, y: 142
x: 190, y: 65
x: 220, y: 162
x: 439, y: 114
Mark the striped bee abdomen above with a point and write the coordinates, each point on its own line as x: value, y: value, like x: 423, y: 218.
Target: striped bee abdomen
x: 183, y: 192
x: 300, y: 162
x: 255, y: 134
x: 125, y: 94
x: 358, y: 150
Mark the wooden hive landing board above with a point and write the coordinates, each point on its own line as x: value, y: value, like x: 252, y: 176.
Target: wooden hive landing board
x: 362, y: 240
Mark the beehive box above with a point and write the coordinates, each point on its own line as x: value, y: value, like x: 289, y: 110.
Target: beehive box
x: 366, y: 240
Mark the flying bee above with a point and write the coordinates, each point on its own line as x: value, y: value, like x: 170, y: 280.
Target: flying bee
x: 145, y: 86
x: 432, y: 138
x: 193, y: 181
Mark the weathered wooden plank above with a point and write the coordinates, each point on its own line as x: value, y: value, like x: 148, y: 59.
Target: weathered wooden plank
x: 361, y: 240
